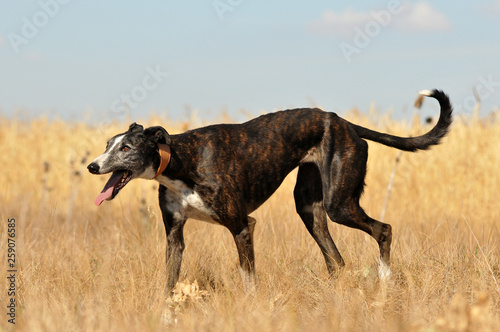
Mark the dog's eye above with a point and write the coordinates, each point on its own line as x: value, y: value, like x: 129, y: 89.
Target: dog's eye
x: 125, y: 148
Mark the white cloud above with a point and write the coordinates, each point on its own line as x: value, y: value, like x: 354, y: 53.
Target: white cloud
x: 491, y: 9
x: 32, y: 56
x: 418, y: 17
x: 340, y: 24
x: 421, y: 17
x: 495, y: 6
x: 2, y: 40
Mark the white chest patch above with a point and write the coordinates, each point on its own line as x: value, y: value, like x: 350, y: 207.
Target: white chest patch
x: 184, y: 200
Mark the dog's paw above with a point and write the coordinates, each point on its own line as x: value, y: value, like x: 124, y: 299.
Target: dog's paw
x: 384, y: 271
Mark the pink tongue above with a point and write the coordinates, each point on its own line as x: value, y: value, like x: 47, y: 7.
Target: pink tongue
x: 107, y: 192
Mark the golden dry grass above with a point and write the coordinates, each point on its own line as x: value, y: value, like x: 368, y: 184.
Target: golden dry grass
x: 88, y: 268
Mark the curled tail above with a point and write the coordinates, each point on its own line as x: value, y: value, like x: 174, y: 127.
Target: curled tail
x: 433, y: 137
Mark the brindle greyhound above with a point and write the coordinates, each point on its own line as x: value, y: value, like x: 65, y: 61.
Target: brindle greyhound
x: 221, y: 173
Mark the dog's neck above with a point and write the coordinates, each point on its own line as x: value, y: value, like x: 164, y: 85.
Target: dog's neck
x: 164, y: 151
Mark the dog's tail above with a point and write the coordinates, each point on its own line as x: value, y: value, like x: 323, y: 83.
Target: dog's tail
x: 433, y: 137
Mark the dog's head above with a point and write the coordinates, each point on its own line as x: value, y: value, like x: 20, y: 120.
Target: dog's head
x: 130, y: 155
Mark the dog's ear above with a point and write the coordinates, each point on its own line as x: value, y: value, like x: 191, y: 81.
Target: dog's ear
x: 135, y: 128
x: 158, y: 135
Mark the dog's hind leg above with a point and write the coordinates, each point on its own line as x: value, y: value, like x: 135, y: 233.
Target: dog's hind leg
x: 174, y: 225
x: 244, y: 243
x: 343, y: 182
x: 352, y: 215
x: 309, y: 204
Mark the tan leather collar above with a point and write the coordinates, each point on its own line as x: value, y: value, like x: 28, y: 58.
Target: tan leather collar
x: 164, y: 151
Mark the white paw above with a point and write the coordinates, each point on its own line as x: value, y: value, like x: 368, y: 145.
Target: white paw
x: 384, y: 271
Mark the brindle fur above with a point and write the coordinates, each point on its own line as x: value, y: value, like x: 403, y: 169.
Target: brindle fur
x: 221, y: 173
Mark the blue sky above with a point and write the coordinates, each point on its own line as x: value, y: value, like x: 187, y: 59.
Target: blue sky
x: 100, y: 60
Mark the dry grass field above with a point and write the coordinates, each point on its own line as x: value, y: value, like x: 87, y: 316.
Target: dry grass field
x: 87, y: 268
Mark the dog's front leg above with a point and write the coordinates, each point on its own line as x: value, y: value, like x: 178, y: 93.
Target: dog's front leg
x: 244, y: 243
x: 174, y: 221
x: 175, y: 247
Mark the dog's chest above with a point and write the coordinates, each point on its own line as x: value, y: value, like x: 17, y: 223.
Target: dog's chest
x: 186, y: 202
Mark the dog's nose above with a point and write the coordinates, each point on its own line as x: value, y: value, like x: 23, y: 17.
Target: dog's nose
x: 93, y: 168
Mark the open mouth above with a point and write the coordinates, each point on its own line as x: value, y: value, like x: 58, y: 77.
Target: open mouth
x: 116, y: 182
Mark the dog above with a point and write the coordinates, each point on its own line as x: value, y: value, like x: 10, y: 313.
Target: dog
x: 221, y: 173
